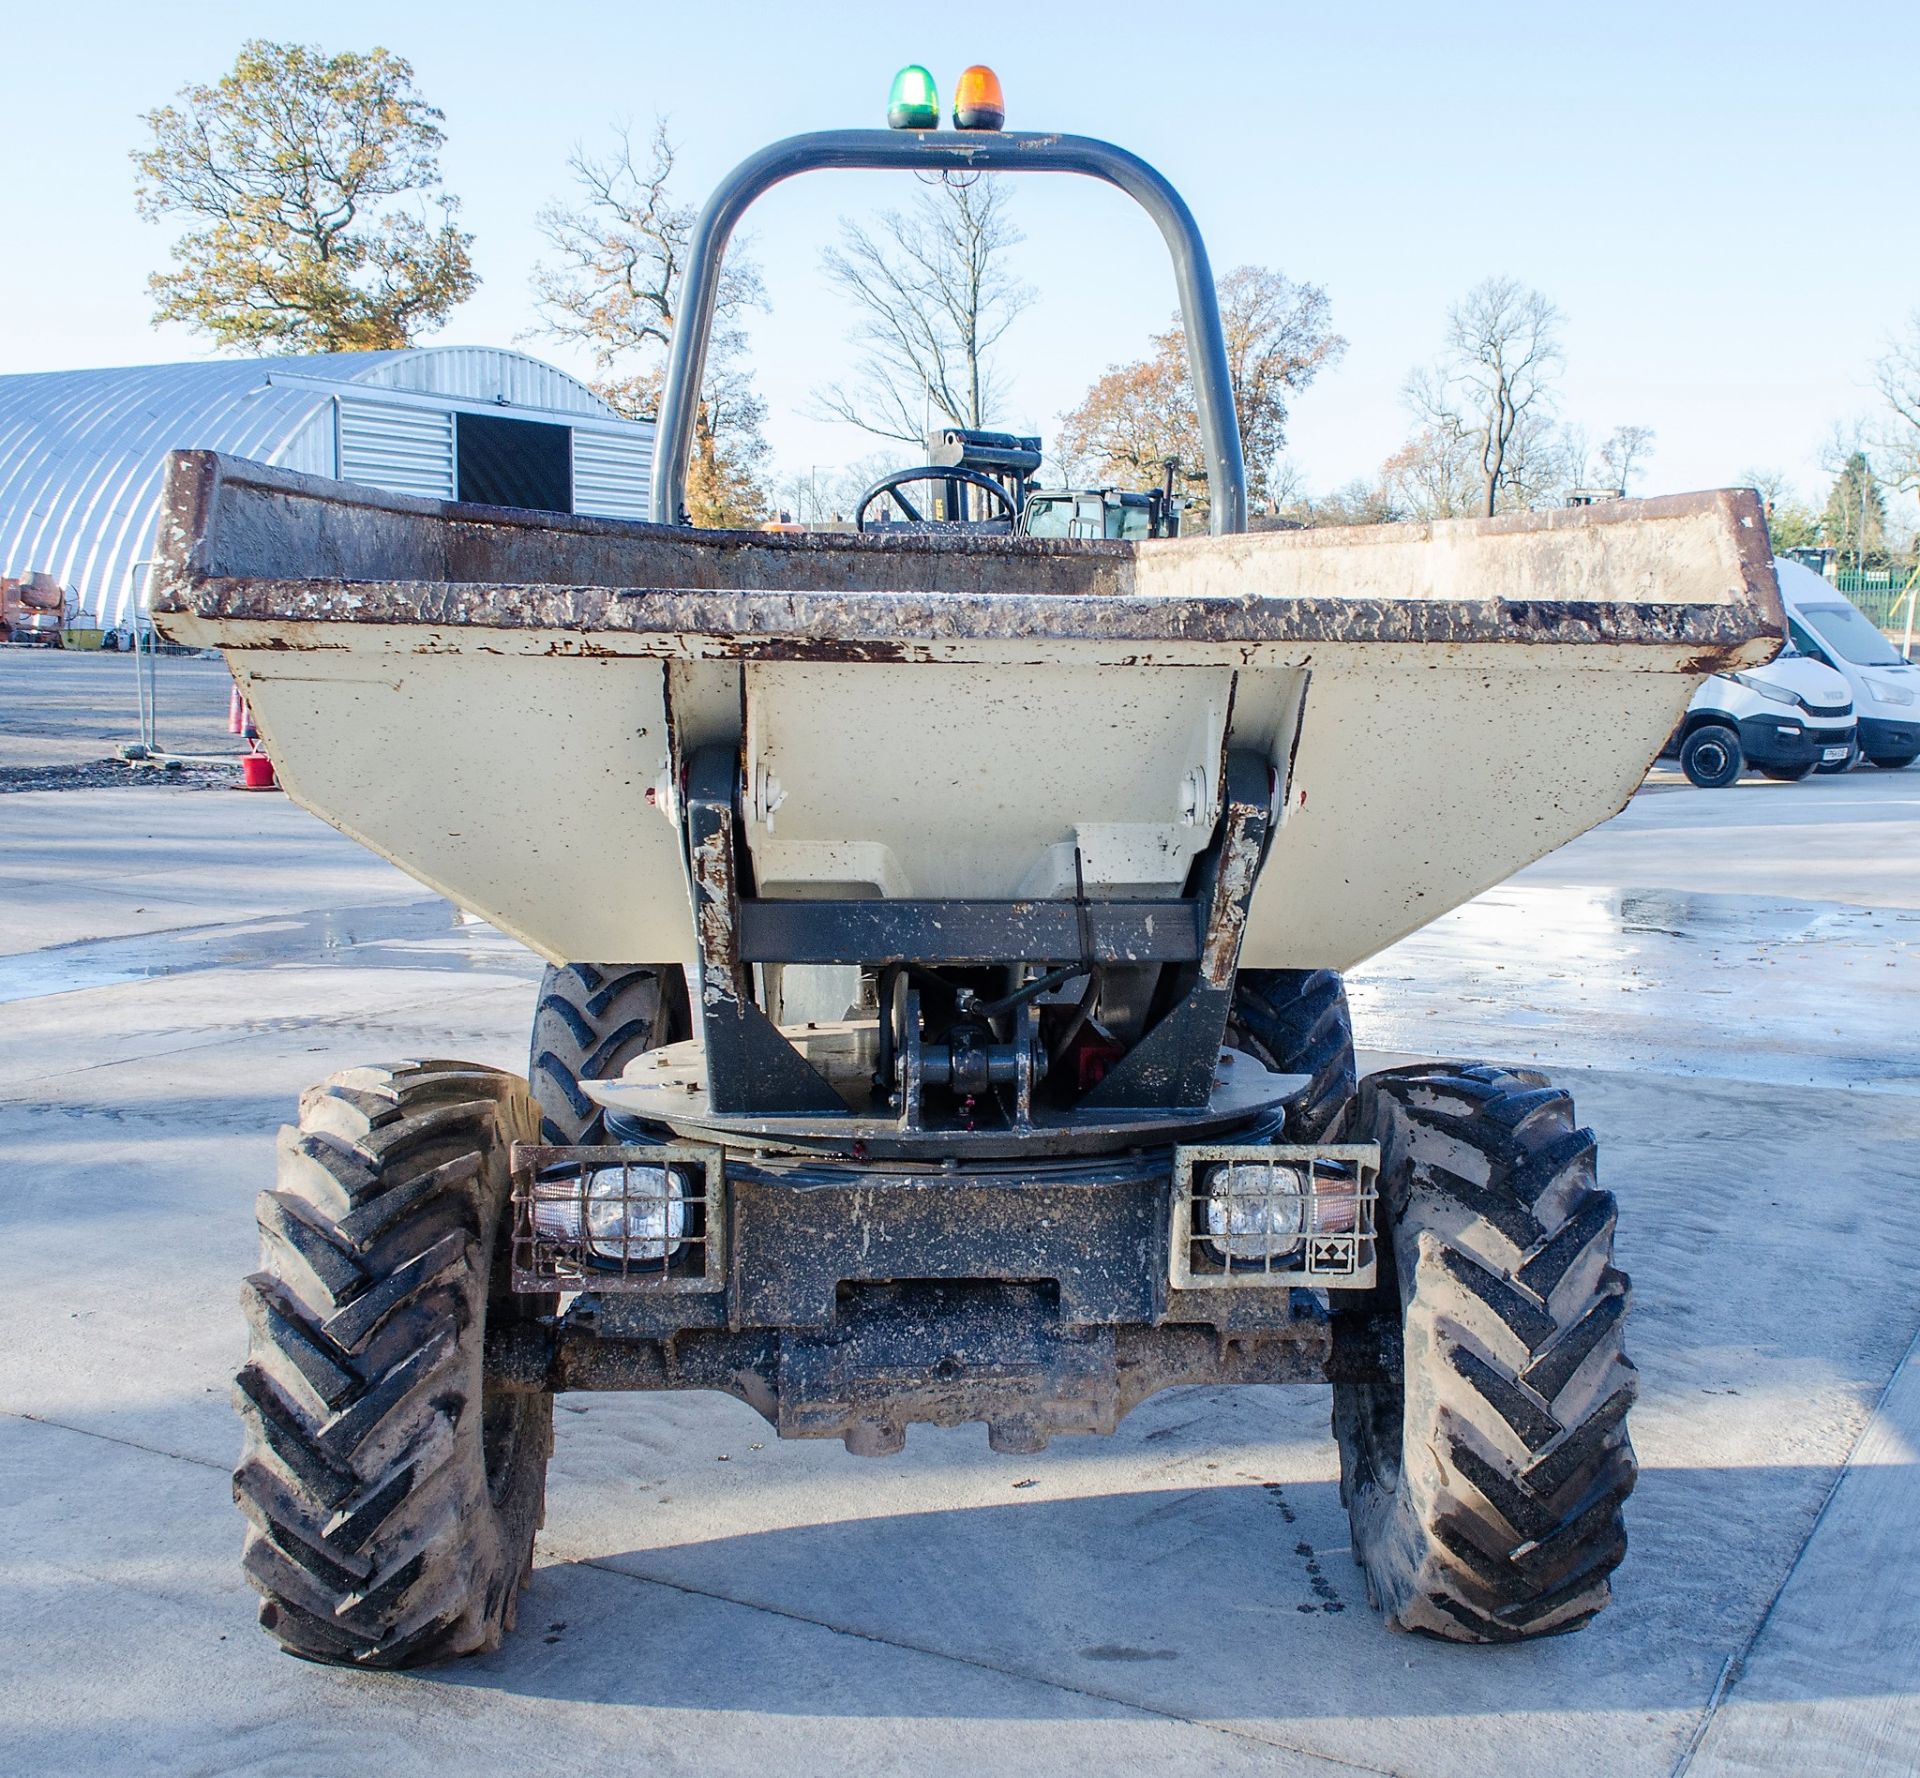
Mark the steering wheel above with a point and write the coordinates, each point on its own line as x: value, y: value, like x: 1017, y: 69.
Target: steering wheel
x: 889, y: 486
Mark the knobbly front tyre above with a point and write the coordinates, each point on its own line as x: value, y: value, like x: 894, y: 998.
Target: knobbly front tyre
x: 1485, y: 1463
x: 391, y: 1495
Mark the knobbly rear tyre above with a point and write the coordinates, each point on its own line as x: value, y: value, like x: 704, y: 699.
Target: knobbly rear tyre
x: 1296, y: 1022
x: 391, y: 1495
x: 591, y: 1020
x: 1485, y: 1465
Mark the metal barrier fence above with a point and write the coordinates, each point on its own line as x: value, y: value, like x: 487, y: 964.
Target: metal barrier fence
x: 1882, y: 593
x: 194, y: 696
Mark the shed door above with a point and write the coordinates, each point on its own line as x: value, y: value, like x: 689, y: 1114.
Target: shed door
x: 524, y: 463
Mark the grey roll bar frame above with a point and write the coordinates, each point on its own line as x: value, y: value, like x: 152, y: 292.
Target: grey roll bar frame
x: 964, y: 151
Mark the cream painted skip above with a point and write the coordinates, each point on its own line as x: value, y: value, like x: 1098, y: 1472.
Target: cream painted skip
x: 502, y: 703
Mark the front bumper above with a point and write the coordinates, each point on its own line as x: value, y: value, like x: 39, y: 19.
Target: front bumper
x: 848, y: 1300
x: 781, y: 1241
x: 1791, y: 740
x: 1886, y: 738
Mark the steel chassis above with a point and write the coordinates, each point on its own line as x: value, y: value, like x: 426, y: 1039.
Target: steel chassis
x: 855, y: 1268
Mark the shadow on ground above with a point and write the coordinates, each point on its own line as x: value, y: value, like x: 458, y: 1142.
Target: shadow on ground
x: 1226, y: 1602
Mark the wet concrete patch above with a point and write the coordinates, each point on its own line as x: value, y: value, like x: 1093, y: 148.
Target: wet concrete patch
x: 1741, y: 987
x: 117, y: 774
x: 429, y: 934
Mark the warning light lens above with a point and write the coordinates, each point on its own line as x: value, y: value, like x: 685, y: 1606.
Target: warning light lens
x: 914, y: 103
x: 977, y: 104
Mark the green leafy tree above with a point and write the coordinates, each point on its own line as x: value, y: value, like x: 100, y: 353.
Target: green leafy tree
x: 1791, y: 522
x: 312, y: 187
x: 1138, y: 417
x: 1855, y: 521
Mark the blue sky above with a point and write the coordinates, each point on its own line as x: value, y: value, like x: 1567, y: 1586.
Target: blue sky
x: 1721, y: 197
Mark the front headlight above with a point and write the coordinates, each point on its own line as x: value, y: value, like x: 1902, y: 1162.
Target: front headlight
x: 630, y: 1213
x: 1257, y: 1210
x: 1883, y: 693
x: 1774, y: 694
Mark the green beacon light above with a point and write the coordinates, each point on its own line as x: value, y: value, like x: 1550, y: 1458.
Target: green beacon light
x: 914, y: 103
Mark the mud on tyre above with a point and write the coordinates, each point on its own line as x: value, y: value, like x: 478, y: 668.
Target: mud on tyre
x: 1484, y: 1476
x: 391, y: 1497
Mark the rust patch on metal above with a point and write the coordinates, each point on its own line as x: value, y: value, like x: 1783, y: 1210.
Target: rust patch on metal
x: 1232, y: 893
x: 712, y: 860
x: 242, y: 543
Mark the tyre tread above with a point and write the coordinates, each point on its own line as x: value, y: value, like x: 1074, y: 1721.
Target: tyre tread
x: 589, y: 1022
x: 1296, y: 1022
x: 1502, y: 1519
x: 361, y: 1480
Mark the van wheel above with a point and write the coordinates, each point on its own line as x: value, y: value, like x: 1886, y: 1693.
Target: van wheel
x: 1893, y: 762
x: 1710, y: 757
x: 1787, y: 774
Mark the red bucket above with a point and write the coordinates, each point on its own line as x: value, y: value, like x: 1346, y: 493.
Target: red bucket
x: 256, y: 772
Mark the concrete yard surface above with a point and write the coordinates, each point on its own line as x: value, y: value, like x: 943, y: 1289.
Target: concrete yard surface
x: 67, y: 708
x: 1727, y: 981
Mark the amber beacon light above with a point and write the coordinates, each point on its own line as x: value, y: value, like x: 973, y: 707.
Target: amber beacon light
x: 977, y: 104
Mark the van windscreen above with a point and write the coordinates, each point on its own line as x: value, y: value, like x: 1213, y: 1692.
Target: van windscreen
x: 1848, y: 630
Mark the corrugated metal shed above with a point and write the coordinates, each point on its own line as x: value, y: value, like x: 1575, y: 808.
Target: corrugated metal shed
x: 81, y: 450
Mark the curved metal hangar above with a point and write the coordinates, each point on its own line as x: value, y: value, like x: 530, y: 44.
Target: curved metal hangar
x: 81, y: 450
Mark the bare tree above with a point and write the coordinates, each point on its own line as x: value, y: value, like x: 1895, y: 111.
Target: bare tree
x: 1359, y: 502
x: 1538, y: 469
x: 1432, y: 475
x: 934, y: 297
x: 1625, y: 449
x: 820, y: 494
x: 1898, y: 377
x: 1502, y: 354
x: 614, y: 288
x: 1791, y: 523
x: 1772, y: 485
x: 1577, y: 454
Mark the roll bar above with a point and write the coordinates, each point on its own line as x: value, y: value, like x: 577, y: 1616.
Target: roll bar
x: 969, y: 151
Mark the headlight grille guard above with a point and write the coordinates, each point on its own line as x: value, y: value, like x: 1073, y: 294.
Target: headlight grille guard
x: 1337, y: 1218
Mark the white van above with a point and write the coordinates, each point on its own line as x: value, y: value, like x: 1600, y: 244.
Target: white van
x: 1826, y: 626
x: 1785, y: 720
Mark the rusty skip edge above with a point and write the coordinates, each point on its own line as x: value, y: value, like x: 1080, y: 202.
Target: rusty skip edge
x: 201, y: 516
